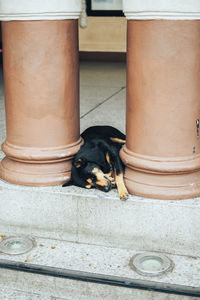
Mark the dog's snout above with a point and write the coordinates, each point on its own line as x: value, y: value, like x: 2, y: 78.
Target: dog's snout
x: 107, y: 187
x: 104, y: 184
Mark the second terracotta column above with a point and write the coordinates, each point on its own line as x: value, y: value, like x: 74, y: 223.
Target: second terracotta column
x: 162, y: 152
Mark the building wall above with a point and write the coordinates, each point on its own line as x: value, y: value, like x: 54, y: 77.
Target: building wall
x: 103, y: 34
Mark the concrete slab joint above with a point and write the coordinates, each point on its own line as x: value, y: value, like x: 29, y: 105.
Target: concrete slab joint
x: 163, y: 53
x: 41, y: 76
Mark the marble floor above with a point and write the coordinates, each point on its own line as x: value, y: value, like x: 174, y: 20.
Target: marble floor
x: 102, y: 94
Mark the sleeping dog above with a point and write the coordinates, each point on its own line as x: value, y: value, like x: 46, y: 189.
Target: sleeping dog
x: 97, y: 163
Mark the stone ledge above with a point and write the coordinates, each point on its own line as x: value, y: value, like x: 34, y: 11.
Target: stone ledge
x: 93, y: 217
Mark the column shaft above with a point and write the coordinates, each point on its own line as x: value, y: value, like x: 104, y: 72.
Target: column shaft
x: 162, y: 152
x: 41, y: 77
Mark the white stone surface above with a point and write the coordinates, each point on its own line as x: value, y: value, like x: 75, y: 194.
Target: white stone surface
x: 162, y: 9
x: 95, y: 260
x: 104, y: 114
x: 12, y: 294
x: 94, y: 217
x: 39, y: 10
x: 94, y: 96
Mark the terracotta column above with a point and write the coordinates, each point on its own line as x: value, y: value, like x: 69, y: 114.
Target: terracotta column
x: 162, y: 152
x: 41, y: 74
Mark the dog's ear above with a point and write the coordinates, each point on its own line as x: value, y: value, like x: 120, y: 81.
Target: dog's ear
x: 79, y: 163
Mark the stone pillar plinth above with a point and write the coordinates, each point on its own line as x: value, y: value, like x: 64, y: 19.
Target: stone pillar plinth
x: 41, y: 76
x: 162, y: 151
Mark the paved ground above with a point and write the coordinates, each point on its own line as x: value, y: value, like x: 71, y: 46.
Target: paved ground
x: 102, y: 94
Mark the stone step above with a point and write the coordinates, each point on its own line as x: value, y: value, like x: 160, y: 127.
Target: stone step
x: 97, y: 218
x: 56, y: 269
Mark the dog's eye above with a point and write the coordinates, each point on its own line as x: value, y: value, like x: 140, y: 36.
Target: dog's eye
x: 92, y: 176
x: 79, y: 163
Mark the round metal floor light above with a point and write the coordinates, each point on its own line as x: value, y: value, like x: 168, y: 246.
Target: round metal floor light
x: 151, y: 264
x: 16, y: 245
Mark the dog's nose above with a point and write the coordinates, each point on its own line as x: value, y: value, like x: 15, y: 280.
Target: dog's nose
x: 108, y: 186
x: 104, y: 184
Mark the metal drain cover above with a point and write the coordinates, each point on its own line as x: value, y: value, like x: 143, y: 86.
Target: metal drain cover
x: 151, y: 264
x: 15, y: 245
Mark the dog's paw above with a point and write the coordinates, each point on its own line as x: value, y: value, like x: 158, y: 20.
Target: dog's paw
x: 123, y: 195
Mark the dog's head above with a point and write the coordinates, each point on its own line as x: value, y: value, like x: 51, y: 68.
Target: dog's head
x: 89, y: 168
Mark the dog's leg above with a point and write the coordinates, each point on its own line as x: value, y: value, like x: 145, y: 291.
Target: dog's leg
x: 113, y: 157
x: 119, y: 176
x: 109, y: 175
x: 122, y: 191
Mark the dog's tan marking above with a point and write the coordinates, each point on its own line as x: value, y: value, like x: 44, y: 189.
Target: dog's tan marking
x: 122, y: 191
x: 108, y: 158
x: 101, y: 180
x: 89, y: 180
x: 88, y: 186
x: 117, y: 140
x: 111, y: 168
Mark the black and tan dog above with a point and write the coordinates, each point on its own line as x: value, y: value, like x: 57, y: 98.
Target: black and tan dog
x: 97, y: 163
